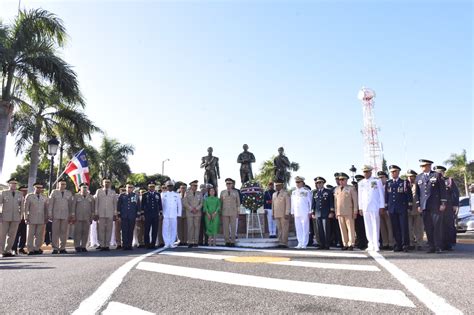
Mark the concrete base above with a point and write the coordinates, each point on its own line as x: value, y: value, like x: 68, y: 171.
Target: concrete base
x: 258, y: 242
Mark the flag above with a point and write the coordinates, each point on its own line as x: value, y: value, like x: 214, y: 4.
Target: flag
x: 78, y: 169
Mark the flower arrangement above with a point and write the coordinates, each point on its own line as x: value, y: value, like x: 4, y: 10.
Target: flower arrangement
x: 252, y: 195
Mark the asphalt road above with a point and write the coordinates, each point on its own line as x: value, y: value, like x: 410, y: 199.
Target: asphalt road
x: 172, y: 282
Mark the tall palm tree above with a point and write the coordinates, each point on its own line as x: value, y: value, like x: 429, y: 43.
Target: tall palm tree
x: 29, y: 58
x: 48, y: 113
x: 113, y: 159
x: 267, y: 172
x: 459, y: 163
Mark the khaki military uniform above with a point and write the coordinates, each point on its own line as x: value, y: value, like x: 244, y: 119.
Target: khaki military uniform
x: 118, y: 228
x: 230, y: 202
x: 346, y: 205
x: 83, y: 210
x: 415, y: 223
x: 11, y: 212
x: 281, y: 208
x: 386, y: 229
x: 193, y: 200
x: 182, y: 225
x: 106, y: 209
x: 140, y: 229
x: 36, y: 215
x: 60, y: 210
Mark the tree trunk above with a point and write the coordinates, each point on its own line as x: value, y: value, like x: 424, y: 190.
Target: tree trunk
x: 5, y: 117
x: 34, y: 156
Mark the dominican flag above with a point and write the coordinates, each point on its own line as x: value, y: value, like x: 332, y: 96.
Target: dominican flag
x: 78, y: 169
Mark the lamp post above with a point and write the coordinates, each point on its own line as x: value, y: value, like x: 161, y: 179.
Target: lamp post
x: 53, y: 145
x: 163, y: 166
x: 353, y: 170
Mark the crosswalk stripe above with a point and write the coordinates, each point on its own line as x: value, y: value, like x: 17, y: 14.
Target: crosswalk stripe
x: 394, y: 297
x: 116, y: 308
x: 285, y: 263
x: 302, y: 252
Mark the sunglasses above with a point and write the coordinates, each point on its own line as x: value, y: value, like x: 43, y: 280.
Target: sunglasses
x: 298, y: 182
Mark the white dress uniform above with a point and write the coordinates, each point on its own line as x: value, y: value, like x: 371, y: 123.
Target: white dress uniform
x: 371, y: 200
x: 301, y: 208
x: 172, y: 209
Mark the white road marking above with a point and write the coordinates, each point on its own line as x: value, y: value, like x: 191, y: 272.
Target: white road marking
x: 286, y: 263
x: 116, y: 308
x: 308, y: 264
x: 434, y: 302
x: 395, y: 297
x: 94, y: 303
x: 302, y: 252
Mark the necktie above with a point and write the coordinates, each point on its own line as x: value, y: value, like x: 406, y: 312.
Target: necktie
x: 13, y: 193
x: 62, y: 194
x: 106, y: 192
x: 228, y: 193
x: 194, y: 194
x: 278, y: 194
x: 38, y: 196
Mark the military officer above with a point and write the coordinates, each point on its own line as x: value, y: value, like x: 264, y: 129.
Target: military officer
x: 386, y: 231
x: 60, y: 211
x: 415, y: 220
x: 398, y: 201
x: 36, y: 216
x: 267, y: 205
x: 230, y: 202
x: 301, y: 199
x: 117, y: 223
x: 11, y: 202
x: 83, y: 208
x: 361, y: 239
x: 172, y: 209
x: 322, y: 210
x: 140, y: 221
x: 151, y: 208
x: 431, y: 200
x: 20, y: 240
x: 336, y: 238
x: 105, y: 213
x: 128, y: 209
x: 345, y: 206
x: 452, y: 206
x: 182, y: 226
x: 192, y: 203
x: 281, y: 209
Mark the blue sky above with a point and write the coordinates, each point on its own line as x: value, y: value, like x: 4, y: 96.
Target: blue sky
x: 175, y: 77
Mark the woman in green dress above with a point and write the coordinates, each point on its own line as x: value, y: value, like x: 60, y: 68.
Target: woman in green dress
x: 212, y: 209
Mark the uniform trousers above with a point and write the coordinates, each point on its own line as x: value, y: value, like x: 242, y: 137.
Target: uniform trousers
x: 372, y: 229
x: 81, y: 233
x: 127, y: 225
x: 104, y: 231
x: 400, y: 229
x: 194, y: 224
x: 140, y: 226
x: 386, y: 230
x: 346, y: 225
x: 302, y: 230
x: 271, y: 223
x: 151, y: 225
x: 229, y: 227
x: 283, y: 227
x: 7, y: 234
x: 416, y: 229
x: 361, y: 238
x: 160, y: 240
x: 315, y: 231
x: 170, y: 226
x: 20, y: 239
x: 59, y: 233
x: 118, y: 232
x: 449, y: 228
x: 183, y: 230
x: 433, y: 221
x: 203, y: 237
x: 324, y: 232
x: 35, y: 237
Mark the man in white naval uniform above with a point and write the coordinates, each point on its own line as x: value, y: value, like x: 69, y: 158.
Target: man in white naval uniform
x: 371, y: 205
x: 301, y: 199
x: 172, y: 209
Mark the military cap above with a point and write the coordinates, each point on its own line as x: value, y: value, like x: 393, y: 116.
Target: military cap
x: 194, y: 182
x: 208, y: 186
x: 320, y: 179
x: 202, y: 186
x: 411, y: 173
x: 329, y: 186
x: 23, y: 188
x: 83, y: 184
x: 38, y: 184
x: 105, y: 179
x: 440, y: 168
x: 336, y: 175
x: 343, y: 176
x: 62, y: 179
x: 394, y: 168
x: 299, y: 179
x: 424, y: 162
x: 142, y: 190
x: 359, y: 177
x: 229, y: 181
x: 170, y: 183
x: 278, y: 182
x: 381, y: 174
x: 130, y: 185
x: 151, y: 183
x: 367, y: 168
x: 12, y: 180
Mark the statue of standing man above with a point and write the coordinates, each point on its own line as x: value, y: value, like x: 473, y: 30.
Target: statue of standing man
x: 246, y: 159
x: 281, y: 164
x: 210, y: 164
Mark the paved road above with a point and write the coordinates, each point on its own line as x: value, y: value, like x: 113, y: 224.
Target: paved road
x: 215, y: 280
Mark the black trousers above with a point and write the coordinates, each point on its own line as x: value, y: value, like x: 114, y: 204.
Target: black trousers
x: 127, y: 231
x: 449, y: 228
x: 151, y: 224
x: 49, y: 231
x: 20, y: 239
x: 324, y: 229
x: 400, y: 228
x: 336, y: 238
x: 361, y: 239
x: 433, y: 221
x: 203, y: 237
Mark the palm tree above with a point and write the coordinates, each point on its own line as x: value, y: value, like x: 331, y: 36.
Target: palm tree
x: 29, y: 58
x: 46, y: 115
x: 113, y: 159
x: 459, y: 164
x: 267, y: 172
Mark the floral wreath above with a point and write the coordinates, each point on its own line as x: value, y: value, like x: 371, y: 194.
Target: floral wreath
x: 252, y: 195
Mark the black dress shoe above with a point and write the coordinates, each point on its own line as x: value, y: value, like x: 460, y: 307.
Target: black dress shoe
x: 38, y: 252
x: 78, y: 250
x: 411, y: 247
x: 103, y: 249
x: 99, y: 247
x: 119, y: 247
x: 351, y: 248
x: 190, y: 246
x: 7, y: 255
x: 84, y: 250
x: 63, y: 251
x: 327, y: 247
x: 31, y: 253
x: 344, y: 248
x: 431, y: 251
x: 440, y: 251
x: 406, y: 248
x: 55, y: 252
x: 22, y: 251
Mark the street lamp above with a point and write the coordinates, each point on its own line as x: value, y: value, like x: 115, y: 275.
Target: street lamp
x: 163, y: 166
x: 353, y: 170
x: 53, y: 145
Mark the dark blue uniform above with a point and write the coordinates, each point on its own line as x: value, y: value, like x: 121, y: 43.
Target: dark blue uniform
x: 267, y: 199
x: 430, y: 195
x: 398, y: 199
x: 128, y: 207
x: 322, y: 206
x: 151, y: 208
x: 452, y: 196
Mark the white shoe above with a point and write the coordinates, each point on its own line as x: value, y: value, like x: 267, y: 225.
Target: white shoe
x: 297, y: 247
x: 173, y: 246
x: 302, y: 247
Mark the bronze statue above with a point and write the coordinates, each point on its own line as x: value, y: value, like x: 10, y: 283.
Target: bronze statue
x: 246, y: 159
x: 210, y: 164
x: 281, y: 164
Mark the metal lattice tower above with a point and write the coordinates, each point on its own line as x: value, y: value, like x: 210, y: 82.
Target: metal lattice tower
x: 372, y: 150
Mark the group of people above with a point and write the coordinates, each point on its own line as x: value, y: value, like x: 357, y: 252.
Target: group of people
x: 347, y: 216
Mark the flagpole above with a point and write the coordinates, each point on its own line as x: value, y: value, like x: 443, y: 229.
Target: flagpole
x: 59, y: 177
